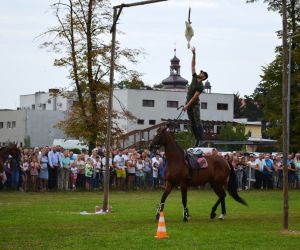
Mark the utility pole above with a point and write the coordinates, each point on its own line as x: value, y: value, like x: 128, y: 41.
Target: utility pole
x: 116, y: 14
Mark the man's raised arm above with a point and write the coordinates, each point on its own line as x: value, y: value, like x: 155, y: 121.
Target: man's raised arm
x: 193, y: 60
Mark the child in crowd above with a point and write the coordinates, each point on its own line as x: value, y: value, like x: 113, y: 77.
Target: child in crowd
x: 140, y: 176
x: 34, y: 172
x: 147, y: 169
x: 96, y: 172
x: 74, y: 172
x: 155, y: 175
x: 80, y: 163
x: 25, y: 173
x: 88, y: 173
x: 131, y: 165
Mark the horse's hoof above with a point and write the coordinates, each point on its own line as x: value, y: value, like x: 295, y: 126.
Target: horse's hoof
x: 221, y: 217
x: 213, y: 215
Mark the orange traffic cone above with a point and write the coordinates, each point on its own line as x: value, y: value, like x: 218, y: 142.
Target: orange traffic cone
x: 161, y: 229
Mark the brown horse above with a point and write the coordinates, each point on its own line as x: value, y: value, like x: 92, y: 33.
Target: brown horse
x: 219, y: 173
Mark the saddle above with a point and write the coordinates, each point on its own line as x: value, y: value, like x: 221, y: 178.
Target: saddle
x: 195, y: 161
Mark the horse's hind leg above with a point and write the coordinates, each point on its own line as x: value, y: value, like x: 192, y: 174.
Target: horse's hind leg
x: 214, y: 208
x: 219, y: 190
x: 221, y: 217
x: 167, y: 191
x: 184, y: 202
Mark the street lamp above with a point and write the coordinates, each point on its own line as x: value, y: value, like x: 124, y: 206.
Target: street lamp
x: 289, y: 91
x: 116, y: 14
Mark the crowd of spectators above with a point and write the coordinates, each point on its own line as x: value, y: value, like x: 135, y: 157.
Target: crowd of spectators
x: 264, y: 170
x: 55, y: 168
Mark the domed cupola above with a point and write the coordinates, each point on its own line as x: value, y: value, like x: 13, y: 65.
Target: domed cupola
x: 174, y: 81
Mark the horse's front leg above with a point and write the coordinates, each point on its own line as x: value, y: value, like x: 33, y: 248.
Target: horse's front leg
x: 167, y: 191
x: 186, y: 214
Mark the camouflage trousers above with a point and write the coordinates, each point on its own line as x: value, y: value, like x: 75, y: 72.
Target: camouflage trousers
x: 194, y: 115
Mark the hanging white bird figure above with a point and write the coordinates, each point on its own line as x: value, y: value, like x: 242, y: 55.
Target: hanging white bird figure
x: 189, y: 32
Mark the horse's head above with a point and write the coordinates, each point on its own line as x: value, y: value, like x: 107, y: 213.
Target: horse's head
x: 160, y: 138
x: 14, y: 151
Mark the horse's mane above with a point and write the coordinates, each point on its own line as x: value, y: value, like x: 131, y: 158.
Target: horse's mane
x: 176, y: 143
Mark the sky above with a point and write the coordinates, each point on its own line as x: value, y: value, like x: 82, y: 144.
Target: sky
x: 233, y: 41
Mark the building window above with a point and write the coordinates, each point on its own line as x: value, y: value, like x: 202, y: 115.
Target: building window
x: 140, y: 122
x: 49, y: 101
x: 1, y: 125
x: 172, y: 104
x: 8, y: 125
x: 148, y: 103
x: 13, y: 124
x: 222, y: 106
x: 152, y: 122
x: 33, y: 107
x: 203, y: 105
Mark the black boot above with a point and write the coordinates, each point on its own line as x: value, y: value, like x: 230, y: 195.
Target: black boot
x: 199, y: 131
x: 195, y: 132
x: 197, y: 143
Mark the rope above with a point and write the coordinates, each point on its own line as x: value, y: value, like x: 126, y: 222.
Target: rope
x: 189, y: 19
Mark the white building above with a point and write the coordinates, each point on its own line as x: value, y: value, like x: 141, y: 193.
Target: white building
x: 41, y: 100
x: 34, y: 126
x: 150, y: 107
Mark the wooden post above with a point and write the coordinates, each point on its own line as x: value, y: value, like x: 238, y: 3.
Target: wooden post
x: 108, y: 138
x: 285, y: 115
x: 116, y: 13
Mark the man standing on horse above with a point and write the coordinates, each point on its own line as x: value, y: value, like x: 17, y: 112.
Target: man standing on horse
x: 192, y: 105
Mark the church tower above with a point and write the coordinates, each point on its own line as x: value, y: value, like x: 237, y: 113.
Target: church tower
x: 174, y: 81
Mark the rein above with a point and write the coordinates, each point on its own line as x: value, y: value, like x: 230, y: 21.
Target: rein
x: 180, y: 107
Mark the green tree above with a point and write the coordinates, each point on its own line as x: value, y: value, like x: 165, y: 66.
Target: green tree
x: 268, y: 93
x: 229, y: 133
x: 185, y: 139
x: 133, y: 82
x: 81, y: 40
x: 251, y: 109
x: 237, y: 105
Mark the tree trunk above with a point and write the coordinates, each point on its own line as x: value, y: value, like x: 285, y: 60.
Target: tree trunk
x: 75, y: 64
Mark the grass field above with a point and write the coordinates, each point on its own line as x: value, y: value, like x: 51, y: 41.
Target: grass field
x: 52, y: 221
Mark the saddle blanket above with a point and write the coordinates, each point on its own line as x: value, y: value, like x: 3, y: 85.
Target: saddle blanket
x: 195, y: 162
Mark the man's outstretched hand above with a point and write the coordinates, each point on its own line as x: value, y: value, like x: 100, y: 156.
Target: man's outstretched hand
x: 193, y: 49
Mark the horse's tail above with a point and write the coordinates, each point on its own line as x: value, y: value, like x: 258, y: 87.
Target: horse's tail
x: 233, y: 187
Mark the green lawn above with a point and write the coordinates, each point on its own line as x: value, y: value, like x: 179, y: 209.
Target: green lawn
x: 52, y: 221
